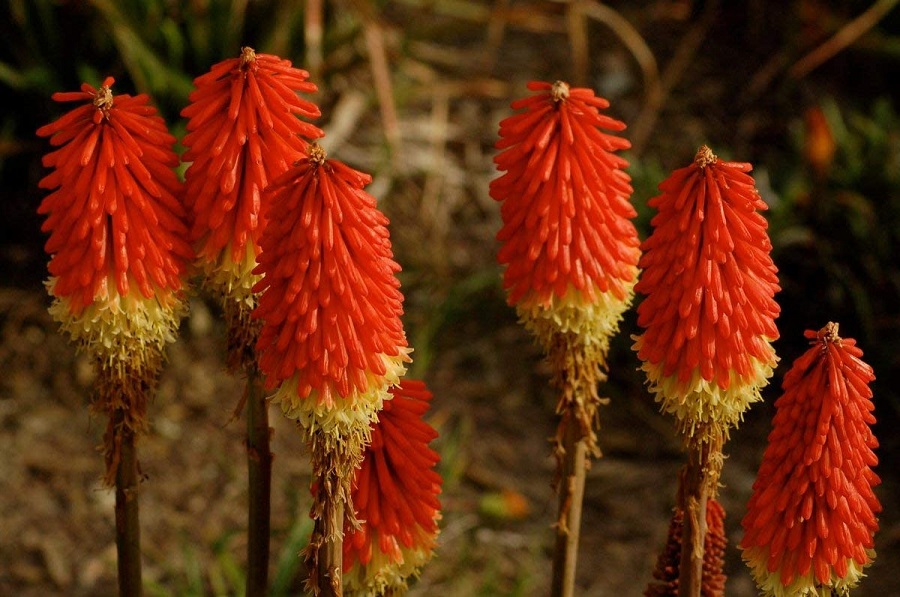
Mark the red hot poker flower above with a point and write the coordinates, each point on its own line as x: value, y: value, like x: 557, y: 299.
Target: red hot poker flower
x: 331, y: 303
x: 243, y: 132
x: 709, y: 280
x: 117, y: 225
x: 712, y: 584
x: 568, y: 244
x: 395, y: 493
x: 811, y: 520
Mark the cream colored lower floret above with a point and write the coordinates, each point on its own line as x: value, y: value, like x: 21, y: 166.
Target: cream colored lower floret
x: 121, y: 330
x: 770, y: 585
x: 231, y: 280
x: 384, y: 576
x: 594, y: 322
x: 698, y: 403
x: 346, y: 416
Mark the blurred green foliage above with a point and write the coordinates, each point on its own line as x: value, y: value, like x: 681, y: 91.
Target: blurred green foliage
x: 836, y: 229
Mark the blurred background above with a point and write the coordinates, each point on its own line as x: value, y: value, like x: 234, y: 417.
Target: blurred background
x: 412, y: 91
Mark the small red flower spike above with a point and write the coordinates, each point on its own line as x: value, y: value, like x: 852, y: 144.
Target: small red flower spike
x: 709, y: 312
x: 244, y: 131
x: 568, y: 243
x: 665, y: 583
x: 811, y: 521
x: 395, y: 493
x: 117, y: 227
x: 331, y: 302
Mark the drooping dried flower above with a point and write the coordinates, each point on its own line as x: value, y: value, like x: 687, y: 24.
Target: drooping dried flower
x: 117, y: 240
x: 395, y: 493
x: 330, y: 303
x: 709, y: 280
x: 568, y: 243
x: 244, y: 130
x: 812, y: 518
x: 666, y: 573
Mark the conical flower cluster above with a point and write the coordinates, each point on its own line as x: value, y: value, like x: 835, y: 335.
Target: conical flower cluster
x: 395, y: 495
x: 332, y: 339
x: 709, y: 280
x: 117, y: 228
x: 811, y: 521
x: 712, y: 584
x: 244, y: 131
x: 568, y: 243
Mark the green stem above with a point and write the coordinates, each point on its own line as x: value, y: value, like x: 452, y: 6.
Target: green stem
x: 259, y: 471
x: 128, y: 532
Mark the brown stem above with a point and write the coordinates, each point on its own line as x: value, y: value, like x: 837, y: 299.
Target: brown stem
x: 333, y: 470
x: 331, y: 553
x: 693, y: 504
x: 128, y: 532
x: 577, y: 371
x: 259, y: 473
x: 699, y: 482
x: 571, y: 494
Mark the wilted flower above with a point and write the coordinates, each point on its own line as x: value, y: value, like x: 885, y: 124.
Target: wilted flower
x: 665, y: 583
x: 395, y: 495
x: 568, y: 244
x: 709, y: 280
x: 331, y: 305
x: 811, y: 521
x: 244, y: 131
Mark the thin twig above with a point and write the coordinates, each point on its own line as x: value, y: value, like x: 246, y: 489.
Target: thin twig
x: 576, y: 25
x: 495, y: 31
x: 632, y: 39
x: 848, y: 34
x: 381, y: 77
x: 312, y: 35
x: 681, y: 59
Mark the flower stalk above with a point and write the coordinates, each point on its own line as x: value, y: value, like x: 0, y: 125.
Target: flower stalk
x: 709, y: 320
x: 571, y: 252
x: 119, y: 251
x: 332, y: 342
x: 128, y: 528
x: 244, y: 130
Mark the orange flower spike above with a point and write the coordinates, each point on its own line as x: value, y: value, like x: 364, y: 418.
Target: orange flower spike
x: 709, y: 280
x: 244, y: 131
x: 396, y: 493
x: 117, y: 226
x: 568, y: 243
x: 812, y: 517
x: 330, y: 299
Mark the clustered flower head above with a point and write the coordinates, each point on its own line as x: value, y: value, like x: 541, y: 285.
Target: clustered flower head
x: 811, y: 521
x: 709, y: 280
x: 668, y: 565
x: 395, y: 493
x: 568, y: 243
x: 332, y: 338
x: 117, y: 228
x: 244, y: 131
